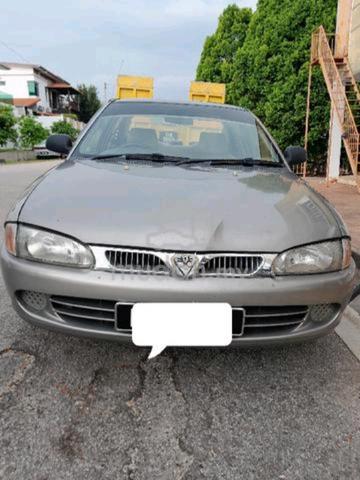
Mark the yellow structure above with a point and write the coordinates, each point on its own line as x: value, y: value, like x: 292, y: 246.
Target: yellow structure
x: 207, y: 92
x: 134, y: 87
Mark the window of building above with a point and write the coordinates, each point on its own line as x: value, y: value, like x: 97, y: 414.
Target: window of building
x: 33, y: 88
x: 2, y: 83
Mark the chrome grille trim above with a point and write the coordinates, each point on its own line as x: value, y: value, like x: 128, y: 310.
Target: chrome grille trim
x: 230, y: 265
x: 136, y: 261
x: 145, y: 262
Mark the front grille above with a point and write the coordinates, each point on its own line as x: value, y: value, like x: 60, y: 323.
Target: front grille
x: 259, y: 321
x: 273, y: 320
x: 230, y: 266
x: 136, y: 261
x: 99, y: 313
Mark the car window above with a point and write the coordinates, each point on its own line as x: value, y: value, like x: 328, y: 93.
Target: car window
x: 176, y: 135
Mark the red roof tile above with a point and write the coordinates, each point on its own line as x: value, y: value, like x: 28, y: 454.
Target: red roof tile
x: 25, y: 102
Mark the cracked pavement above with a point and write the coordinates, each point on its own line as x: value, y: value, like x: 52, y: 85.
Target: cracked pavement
x: 73, y: 408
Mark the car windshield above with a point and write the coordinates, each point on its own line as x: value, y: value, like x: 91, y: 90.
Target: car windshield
x: 176, y: 136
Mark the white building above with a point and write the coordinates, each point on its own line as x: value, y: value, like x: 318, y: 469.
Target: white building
x: 33, y: 89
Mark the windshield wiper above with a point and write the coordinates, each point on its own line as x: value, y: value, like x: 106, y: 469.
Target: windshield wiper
x: 247, y: 162
x: 153, y: 157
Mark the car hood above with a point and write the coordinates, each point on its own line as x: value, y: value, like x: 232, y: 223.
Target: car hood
x: 180, y: 208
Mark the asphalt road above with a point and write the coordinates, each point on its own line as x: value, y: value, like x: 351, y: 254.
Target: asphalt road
x: 82, y: 409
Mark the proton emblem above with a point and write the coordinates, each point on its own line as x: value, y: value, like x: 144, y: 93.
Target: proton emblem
x: 184, y: 264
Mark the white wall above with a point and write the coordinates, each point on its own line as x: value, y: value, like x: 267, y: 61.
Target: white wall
x: 48, y: 121
x: 43, y: 94
x: 16, y: 81
x: 354, y: 47
x: 16, y: 84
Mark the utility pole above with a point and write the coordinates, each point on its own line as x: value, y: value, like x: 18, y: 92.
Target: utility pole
x: 105, y: 92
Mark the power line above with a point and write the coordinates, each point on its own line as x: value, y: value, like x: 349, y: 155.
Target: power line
x: 15, y: 52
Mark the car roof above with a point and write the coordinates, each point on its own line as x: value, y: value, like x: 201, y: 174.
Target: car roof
x: 170, y: 102
x: 221, y: 109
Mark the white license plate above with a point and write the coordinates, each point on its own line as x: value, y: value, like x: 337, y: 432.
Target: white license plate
x: 181, y: 324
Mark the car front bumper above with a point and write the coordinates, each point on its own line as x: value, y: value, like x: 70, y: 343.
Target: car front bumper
x: 259, y: 294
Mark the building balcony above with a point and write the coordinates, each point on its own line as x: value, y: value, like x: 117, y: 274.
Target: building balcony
x: 63, y: 98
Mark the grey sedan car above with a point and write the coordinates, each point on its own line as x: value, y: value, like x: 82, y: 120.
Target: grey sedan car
x: 177, y: 202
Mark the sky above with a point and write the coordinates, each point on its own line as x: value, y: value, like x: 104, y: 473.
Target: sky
x: 93, y: 41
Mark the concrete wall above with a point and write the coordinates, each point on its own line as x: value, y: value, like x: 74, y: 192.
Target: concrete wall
x: 354, y: 44
x: 17, y: 156
x: 47, y: 121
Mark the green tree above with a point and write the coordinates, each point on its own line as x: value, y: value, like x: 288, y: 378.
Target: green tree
x: 8, y: 131
x: 89, y: 102
x: 31, y: 132
x: 269, y: 70
x: 62, y: 126
x: 219, y: 50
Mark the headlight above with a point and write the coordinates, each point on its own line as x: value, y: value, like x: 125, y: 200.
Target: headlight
x: 47, y: 247
x: 317, y: 258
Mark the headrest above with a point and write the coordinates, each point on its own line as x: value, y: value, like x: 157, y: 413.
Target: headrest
x: 143, y: 136
x: 213, y: 141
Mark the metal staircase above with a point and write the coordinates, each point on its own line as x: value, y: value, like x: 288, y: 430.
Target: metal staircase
x: 343, y: 91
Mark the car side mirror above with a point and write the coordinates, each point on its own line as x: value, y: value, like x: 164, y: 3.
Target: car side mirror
x: 295, y: 155
x: 59, y: 143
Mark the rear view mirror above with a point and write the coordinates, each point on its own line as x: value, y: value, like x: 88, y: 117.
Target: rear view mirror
x: 295, y: 155
x: 59, y: 143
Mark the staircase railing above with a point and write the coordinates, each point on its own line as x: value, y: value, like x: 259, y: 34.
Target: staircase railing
x: 353, y: 81
x: 322, y: 53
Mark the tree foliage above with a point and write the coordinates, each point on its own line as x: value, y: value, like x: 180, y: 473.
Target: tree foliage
x: 8, y: 131
x: 31, y: 132
x: 62, y: 126
x: 89, y: 102
x: 269, y: 70
x: 219, y: 50
x: 71, y: 115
